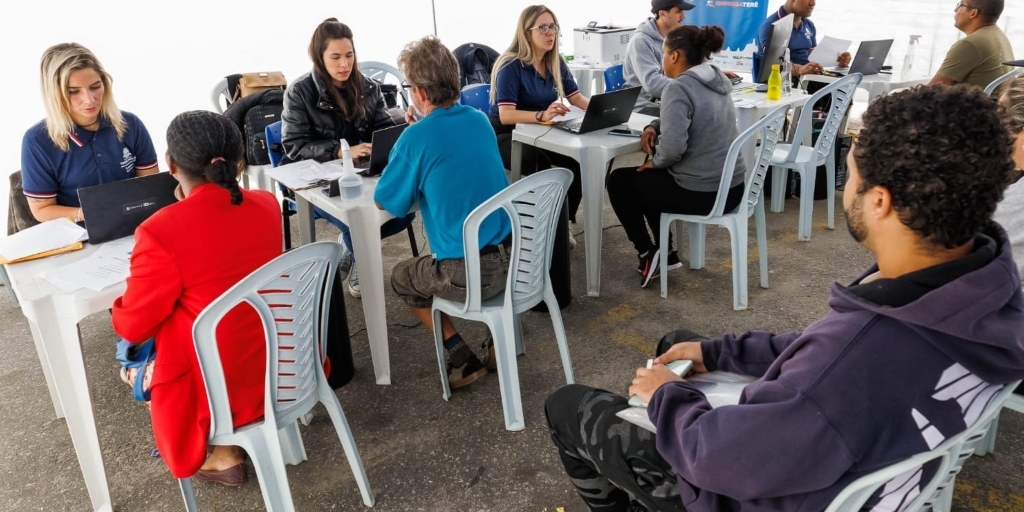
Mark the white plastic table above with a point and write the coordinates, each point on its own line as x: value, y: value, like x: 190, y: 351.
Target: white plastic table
x: 589, y: 77
x: 53, y: 317
x: 593, y: 151
x: 750, y: 115
x: 363, y: 220
x: 876, y: 85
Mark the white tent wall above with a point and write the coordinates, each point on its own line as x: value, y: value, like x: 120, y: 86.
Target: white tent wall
x: 165, y: 57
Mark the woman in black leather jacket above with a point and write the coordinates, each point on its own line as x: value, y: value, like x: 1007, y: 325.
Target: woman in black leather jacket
x: 334, y: 101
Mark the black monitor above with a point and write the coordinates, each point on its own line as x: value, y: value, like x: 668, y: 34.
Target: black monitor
x: 775, y: 48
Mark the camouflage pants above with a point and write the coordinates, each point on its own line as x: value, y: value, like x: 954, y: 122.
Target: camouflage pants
x: 610, y: 460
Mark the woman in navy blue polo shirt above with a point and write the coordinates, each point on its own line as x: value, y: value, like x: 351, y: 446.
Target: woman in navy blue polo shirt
x: 527, y: 85
x: 85, y: 139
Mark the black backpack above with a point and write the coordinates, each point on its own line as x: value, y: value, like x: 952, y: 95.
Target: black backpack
x: 475, y: 63
x: 252, y: 114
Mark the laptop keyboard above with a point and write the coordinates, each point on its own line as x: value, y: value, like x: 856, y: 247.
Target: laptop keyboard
x: 574, y: 125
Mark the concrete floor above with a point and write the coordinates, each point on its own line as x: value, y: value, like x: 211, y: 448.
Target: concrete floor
x: 422, y: 453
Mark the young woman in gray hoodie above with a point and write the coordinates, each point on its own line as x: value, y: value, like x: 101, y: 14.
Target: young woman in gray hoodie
x: 688, y: 146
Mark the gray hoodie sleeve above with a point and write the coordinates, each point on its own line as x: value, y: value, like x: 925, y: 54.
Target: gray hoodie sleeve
x: 674, y: 128
x: 646, y: 64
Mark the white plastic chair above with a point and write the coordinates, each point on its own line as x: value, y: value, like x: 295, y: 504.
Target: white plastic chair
x: 291, y: 294
x: 1013, y: 403
x: 991, y: 88
x: 221, y: 96
x: 379, y: 71
x: 533, y: 204
x: 806, y: 159
x: 769, y: 130
x: 937, y: 493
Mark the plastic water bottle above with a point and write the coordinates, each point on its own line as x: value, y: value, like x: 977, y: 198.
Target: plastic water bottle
x: 774, y: 84
x: 787, y: 76
x: 908, y: 59
x: 351, y: 184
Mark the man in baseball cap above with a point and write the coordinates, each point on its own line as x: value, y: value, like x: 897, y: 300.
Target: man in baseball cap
x: 642, y: 65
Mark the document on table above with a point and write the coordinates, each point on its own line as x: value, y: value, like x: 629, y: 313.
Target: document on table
x: 740, y: 102
x: 573, y: 114
x: 305, y: 174
x: 108, y: 266
x: 828, y: 51
x: 720, y: 388
x: 43, y: 237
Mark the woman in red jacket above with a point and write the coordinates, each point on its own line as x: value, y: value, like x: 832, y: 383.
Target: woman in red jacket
x: 185, y: 256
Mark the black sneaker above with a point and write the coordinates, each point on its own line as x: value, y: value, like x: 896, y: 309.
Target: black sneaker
x: 468, y: 373
x: 648, y: 267
x: 673, y: 261
x: 489, y: 361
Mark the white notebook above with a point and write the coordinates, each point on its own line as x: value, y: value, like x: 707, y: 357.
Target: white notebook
x: 720, y: 388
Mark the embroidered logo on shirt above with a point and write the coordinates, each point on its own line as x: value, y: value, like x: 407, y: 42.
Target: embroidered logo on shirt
x: 127, y: 161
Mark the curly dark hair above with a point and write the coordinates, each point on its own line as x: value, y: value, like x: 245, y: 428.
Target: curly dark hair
x: 943, y: 153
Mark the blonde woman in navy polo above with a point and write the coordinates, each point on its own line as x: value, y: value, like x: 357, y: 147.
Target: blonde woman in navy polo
x: 85, y: 139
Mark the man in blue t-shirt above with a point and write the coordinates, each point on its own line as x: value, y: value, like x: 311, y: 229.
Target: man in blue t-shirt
x: 447, y: 162
x: 802, y: 42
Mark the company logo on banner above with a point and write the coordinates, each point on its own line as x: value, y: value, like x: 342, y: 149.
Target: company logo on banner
x: 740, y: 19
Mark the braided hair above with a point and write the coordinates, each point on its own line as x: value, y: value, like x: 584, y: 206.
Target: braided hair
x: 207, y: 147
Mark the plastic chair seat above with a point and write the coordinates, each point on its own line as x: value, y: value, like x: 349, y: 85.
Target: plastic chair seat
x: 804, y: 155
x: 533, y: 205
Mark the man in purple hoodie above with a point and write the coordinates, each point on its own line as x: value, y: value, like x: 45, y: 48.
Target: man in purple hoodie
x: 908, y: 355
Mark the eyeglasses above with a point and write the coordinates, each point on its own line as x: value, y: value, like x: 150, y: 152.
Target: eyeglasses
x: 961, y: 4
x: 546, y: 29
x: 406, y: 85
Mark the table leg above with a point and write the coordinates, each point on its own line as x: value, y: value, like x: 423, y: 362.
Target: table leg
x: 365, y: 230
x: 516, y: 171
x: 304, y: 211
x: 592, y: 181
x: 64, y: 348
x: 44, y: 361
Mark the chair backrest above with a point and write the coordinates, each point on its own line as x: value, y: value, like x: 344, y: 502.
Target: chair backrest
x: 841, y: 91
x: 907, y: 474
x: 613, y: 79
x: 290, y: 293
x: 379, y: 71
x: 221, y: 96
x: 769, y: 130
x: 477, y: 96
x: 991, y: 88
x: 533, y: 205
x: 274, y: 149
x: 19, y: 215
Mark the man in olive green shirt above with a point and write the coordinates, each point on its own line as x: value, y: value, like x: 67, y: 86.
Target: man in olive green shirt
x: 976, y: 59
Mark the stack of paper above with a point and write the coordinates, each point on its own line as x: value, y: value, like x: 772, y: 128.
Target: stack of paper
x: 108, y: 266
x: 305, y: 174
x: 48, y: 238
x: 720, y: 388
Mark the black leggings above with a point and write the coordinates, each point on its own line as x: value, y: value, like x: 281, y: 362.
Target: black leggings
x: 641, y: 197
x: 538, y: 160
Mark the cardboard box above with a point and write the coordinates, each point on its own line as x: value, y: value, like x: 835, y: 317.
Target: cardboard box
x: 601, y: 45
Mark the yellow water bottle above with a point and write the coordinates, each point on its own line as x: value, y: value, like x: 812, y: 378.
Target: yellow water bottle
x: 775, y: 84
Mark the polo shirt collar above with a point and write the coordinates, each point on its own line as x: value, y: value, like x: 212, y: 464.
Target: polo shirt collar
x: 75, y: 137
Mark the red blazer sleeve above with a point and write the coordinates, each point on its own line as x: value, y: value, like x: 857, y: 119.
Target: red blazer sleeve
x: 154, y: 286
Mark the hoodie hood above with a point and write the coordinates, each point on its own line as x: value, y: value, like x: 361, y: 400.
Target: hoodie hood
x: 650, y: 29
x: 976, y: 319
x: 711, y: 77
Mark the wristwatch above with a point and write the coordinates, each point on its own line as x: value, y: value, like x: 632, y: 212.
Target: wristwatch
x: 539, y: 115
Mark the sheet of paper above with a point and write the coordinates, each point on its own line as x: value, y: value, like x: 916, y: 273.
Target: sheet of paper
x: 108, y: 266
x: 305, y: 173
x: 573, y: 114
x: 741, y: 102
x: 828, y: 51
x: 720, y: 388
x: 43, y: 237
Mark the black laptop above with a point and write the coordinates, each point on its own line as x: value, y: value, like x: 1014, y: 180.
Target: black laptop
x: 113, y: 210
x: 605, y: 110
x: 381, y: 142
x: 869, y: 60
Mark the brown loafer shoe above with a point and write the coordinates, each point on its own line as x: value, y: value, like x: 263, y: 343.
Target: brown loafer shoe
x: 233, y: 476
x: 489, y: 361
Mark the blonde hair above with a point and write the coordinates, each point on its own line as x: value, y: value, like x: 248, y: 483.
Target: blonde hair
x: 1013, y: 93
x: 522, y: 50
x: 430, y: 65
x: 54, y: 74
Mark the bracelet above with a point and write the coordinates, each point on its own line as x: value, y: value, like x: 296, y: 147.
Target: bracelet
x: 78, y: 214
x: 539, y: 115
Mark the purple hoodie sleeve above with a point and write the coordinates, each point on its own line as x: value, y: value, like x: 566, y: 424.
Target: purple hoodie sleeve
x: 750, y: 353
x: 747, y: 451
